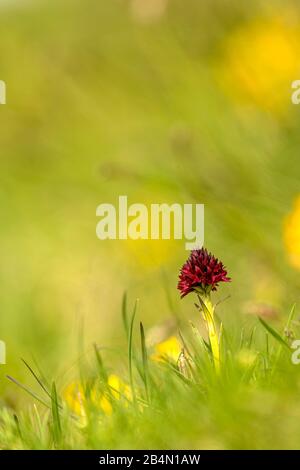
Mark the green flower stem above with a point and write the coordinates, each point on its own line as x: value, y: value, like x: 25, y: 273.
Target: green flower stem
x: 208, y: 313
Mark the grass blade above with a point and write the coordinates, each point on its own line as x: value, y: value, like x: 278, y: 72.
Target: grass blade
x: 252, y: 334
x: 124, y: 313
x: 26, y: 389
x: 101, y: 368
x: 55, y: 414
x: 36, y: 378
x: 291, y: 316
x: 274, y: 333
x: 130, y: 348
x: 42, y: 376
x: 145, y: 360
x: 17, y: 423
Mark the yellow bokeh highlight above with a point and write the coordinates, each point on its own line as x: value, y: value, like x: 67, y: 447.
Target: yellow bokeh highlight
x: 149, y: 254
x: 246, y: 358
x: 291, y: 234
x: 260, y: 62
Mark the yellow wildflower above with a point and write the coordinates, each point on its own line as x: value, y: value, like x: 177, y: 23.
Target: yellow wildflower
x: 169, y: 349
x: 119, y: 389
x: 76, y: 399
x: 106, y: 406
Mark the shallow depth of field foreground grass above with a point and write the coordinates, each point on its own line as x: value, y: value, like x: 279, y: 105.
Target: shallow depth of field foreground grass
x: 158, y: 402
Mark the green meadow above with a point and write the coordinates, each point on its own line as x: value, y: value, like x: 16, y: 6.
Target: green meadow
x: 164, y: 101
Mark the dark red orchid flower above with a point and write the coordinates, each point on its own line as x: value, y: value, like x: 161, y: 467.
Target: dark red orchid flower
x: 201, y: 271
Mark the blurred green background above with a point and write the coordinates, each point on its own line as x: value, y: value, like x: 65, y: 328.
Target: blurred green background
x: 163, y: 101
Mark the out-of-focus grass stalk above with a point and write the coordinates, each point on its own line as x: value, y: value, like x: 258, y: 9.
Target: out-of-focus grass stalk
x: 130, y: 350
